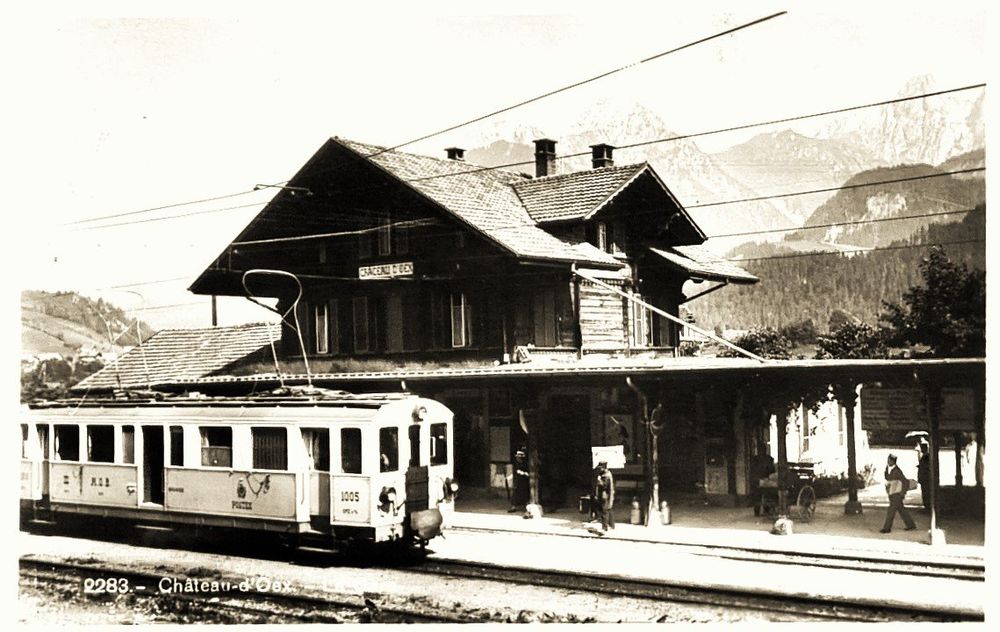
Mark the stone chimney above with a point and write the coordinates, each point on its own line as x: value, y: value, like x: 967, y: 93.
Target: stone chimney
x: 601, y: 155
x: 455, y: 153
x: 545, y: 157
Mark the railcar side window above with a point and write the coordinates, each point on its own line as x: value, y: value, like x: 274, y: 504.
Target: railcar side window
x: 24, y: 441
x: 216, y: 446
x: 128, y: 444
x: 67, y: 443
x: 101, y: 444
x: 177, y: 446
x: 270, y: 448
x: 414, y: 445
x: 439, y: 444
x: 43, y: 440
x: 317, y: 442
x: 350, y: 450
x: 388, y: 447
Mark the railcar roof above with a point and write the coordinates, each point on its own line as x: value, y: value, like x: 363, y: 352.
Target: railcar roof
x: 326, y: 399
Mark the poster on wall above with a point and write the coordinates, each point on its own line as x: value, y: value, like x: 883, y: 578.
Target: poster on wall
x: 619, y: 429
x: 613, y: 455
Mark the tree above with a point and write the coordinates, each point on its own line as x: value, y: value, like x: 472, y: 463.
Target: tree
x: 854, y: 341
x: 763, y: 341
x: 947, y: 313
x: 801, y: 332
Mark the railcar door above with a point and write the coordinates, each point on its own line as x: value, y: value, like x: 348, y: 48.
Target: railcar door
x: 417, y: 475
x: 152, y: 464
x: 317, y: 444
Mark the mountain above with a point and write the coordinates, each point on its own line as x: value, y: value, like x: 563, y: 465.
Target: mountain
x: 931, y: 197
x: 786, y: 161
x: 66, y: 322
x: 929, y: 130
x: 694, y: 177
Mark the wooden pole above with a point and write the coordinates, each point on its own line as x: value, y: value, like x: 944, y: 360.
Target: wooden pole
x: 849, y: 397
x: 782, y: 421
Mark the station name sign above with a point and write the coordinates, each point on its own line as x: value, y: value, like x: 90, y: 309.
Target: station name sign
x: 386, y: 270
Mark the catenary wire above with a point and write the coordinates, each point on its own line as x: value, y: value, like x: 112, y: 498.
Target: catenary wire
x: 627, y: 146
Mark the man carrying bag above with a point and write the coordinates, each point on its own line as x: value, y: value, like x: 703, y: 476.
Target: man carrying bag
x: 896, y: 486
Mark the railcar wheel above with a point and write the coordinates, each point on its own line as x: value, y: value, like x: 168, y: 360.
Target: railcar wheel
x: 806, y: 503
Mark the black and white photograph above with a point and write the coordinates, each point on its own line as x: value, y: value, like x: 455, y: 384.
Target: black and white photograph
x: 530, y: 312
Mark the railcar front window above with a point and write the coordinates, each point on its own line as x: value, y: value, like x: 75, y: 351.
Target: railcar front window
x: 350, y: 450
x: 67, y: 443
x: 270, y: 448
x: 439, y: 444
x: 177, y: 446
x: 388, y: 446
x: 43, y: 440
x: 101, y: 444
x: 415, y: 445
x: 128, y: 444
x: 216, y: 447
x: 317, y: 443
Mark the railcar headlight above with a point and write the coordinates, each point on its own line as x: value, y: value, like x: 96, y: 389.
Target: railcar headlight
x: 387, y: 499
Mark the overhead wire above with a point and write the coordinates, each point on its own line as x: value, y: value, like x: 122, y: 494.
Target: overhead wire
x: 470, y: 121
x: 625, y: 146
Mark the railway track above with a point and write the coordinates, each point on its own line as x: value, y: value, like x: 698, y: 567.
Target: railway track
x: 972, y: 571
x: 785, y: 606
x: 217, y: 606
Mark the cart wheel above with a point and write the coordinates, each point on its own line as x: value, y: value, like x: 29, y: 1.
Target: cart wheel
x: 806, y: 503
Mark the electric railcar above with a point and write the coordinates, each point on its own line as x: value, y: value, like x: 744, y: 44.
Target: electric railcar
x: 331, y: 466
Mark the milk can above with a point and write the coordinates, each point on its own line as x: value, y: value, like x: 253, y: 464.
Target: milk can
x: 664, y: 512
x: 635, y: 516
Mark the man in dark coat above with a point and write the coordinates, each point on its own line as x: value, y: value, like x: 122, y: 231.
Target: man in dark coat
x: 604, y: 493
x: 522, y: 482
x: 761, y: 467
x: 896, y: 485
x: 924, y: 472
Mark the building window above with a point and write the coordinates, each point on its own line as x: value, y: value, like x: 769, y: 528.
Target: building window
x: 128, y: 444
x: 317, y: 443
x: 321, y: 328
x: 350, y: 450
x: 101, y: 444
x: 602, y: 236
x: 177, y: 446
x: 270, y: 448
x: 67, y: 443
x: 460, y: 313
x: 543, y: 310
x: 388, y: 447
x: 439, y: 444
x: 216, y: 446
x: 383, y: 238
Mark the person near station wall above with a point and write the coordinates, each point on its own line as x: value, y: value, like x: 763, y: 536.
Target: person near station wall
x: 522, y: 482
x: 896, y: 486
x: 924, y: 472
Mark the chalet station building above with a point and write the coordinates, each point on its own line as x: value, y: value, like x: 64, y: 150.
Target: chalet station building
x: 543, y: 310
x: 418, y: 262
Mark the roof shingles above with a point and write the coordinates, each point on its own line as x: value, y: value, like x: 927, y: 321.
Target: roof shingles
x: 573, y: 195
x: 701, y: 262
x: 182, y: 354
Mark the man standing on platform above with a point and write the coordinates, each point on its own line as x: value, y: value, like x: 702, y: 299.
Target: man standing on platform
x: 604, y: 493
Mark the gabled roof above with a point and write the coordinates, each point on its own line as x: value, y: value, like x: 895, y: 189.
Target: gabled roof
x: 483, y: 199
x: 702, y: 263
x: 182, y: 354
x: 574, y: 195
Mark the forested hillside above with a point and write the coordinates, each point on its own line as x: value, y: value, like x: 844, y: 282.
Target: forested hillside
x: 804, y: 286
x: 63, y: 322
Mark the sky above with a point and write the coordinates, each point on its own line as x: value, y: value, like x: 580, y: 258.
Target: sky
x: 116, y: 114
